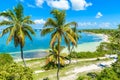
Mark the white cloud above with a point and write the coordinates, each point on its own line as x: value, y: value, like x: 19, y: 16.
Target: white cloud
x: 39, y: 3
x: 80, y: 4
x: 30, y: 5
x: 65, y: 4
x: 99, y: 15
x: 3, y: 18
x: 60, y: 4
x: 39, y: 21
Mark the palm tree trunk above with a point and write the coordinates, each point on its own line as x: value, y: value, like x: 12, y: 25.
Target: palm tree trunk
x: 72, y: 48
x: 58, y: 59
x: 69, y: 53
x: 21, y: 49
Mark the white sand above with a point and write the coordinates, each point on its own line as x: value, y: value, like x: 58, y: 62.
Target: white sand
x: 90, y: 46
x: 104, y: 37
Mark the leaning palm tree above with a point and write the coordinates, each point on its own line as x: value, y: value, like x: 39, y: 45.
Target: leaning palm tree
x: 76, y: 36
x: 18, y: 27
x: 59, y: 30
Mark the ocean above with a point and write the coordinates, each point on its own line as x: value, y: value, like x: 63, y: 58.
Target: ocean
x: 39, y: 44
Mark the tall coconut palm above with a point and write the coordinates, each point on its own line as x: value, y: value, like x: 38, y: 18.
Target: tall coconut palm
x: 59, y: 30
x: 18, y: 27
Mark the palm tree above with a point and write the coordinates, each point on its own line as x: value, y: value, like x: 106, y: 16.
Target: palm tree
x: 18, y: 27
x: 59, y: 30
x: 51, y: 61
x: 76, y: 37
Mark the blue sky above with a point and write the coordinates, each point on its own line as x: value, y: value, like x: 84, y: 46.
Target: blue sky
x: 87, y: 13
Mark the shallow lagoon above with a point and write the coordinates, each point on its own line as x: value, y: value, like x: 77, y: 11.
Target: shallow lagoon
x: 39, y: 45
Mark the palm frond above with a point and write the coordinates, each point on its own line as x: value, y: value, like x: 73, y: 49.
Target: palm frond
x: 50, y: 22
x: 66, y: 39
x: 28, y: 35
x: 55, y: 13
x: 5, y: 14
x: 59, y: 16
x: 29, y: 29
x: 53, y: 38
x: 19, y: 12
x: 74, y: 24
x: 46, y: 31
x: 27, y: 20
x: 3, y: 23
x: 71, y: 38
x: 12, y: 15
x: 67, y: 29
x: 11, y: 34
x: 6, y: 30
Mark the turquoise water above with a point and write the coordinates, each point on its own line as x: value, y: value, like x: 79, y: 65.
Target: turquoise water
x: 39, y: 42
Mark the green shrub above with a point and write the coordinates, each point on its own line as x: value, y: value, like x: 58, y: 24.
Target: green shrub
x: 116, y: 67
x: 84, y: 78
x: 5, y: 59
x: 15, y: 72
x: 9, y: 70
x: 108, y: 74
x: 86, y: 54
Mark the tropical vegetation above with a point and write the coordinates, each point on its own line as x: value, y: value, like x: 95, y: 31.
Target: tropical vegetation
x: 18, y: 27
x: 9, y: 70
x: 51, y: 61
x: 59, y: 30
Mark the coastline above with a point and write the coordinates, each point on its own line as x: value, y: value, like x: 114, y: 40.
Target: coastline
x: 104, y: 37
x: 41, y: 53
x: 89, y: 46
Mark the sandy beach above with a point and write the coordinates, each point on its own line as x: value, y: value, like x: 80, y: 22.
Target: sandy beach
x: 90, y: 46
x: 104, y: 37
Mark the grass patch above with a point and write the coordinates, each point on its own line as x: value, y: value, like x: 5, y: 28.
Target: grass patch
x: 51, y: 74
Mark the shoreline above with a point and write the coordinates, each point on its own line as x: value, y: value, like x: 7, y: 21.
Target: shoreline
x: 41, y: 53
x: 104, y: 37
x: 89, y: 46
